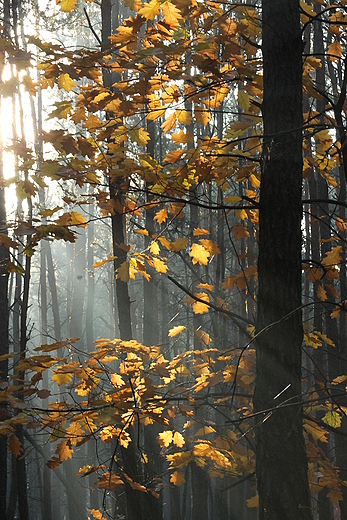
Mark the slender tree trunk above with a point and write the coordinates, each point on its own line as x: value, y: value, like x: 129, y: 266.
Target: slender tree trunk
x: 281, y: 463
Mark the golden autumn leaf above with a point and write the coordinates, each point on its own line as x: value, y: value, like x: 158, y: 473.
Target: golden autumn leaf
x: 103, y: 262
x: 159, y: 265
x: 117, y: 380
x: 210, y: 246
x: 66, y: 83
x: 176, y: 330
x: 123, y: 272
x: 155, y: 249
x: 171, y: 15
x: 161, y: 216
x: 206, y: 286
x: 14, y: 445
x: 150, y: 10
x: 177, y: 478
x: 332, y: 419
x: 165, y: 438
x: 197, y: 232
x: 97, y: 514
x: 61, y: 378
x: 332, y: 257
x: 178, y: 244
x: 199, y: 254
x: 64, y: 451
x: 109, y: 481
x: 335, y: 50
x: 253, y: 502
x: 199, y: 307
x: 178, y: 440
x: 340, y: 224
x: 67, y: 5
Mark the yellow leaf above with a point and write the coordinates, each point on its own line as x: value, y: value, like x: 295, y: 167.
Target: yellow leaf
x: 332, y: 257
x: 102, y: 262
x: 318, y: 433
x: 139, y: 136
x: 178, y: 244
x: 109, y: 481
x: 64, y: 451
x: 244, y: 100
x: 66, y: 83
x: 171, y: 15
x: 67, y: 5
x: 333, y: 419
x: 180, y: 459
x: 241, y: 214
x: 159, y: 265
x: 232, y: 199
x: 134, y: 5
x: 176, y: 330
x: 199, y: 254
x: 150, y: 10
x: 199, y: 307
x: 184, y: 116
x: 14, y: 445
x: 206, y: 286
x: 212, y: 248
x: 253, y: 502
x: 61, y: 378
x: 177, y: 478
x: 169, y: 123
x: 335, y: 50
x: 117, y: 380
x: 161, y: 216
x: 206, y: 430
x: 165, y: 438
x: 155, y: 249
x: 197, y: 232
x: 178, y: 440
x: 141, y: 232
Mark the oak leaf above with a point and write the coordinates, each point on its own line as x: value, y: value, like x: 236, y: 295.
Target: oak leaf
x: 165, y: 438
x: 176, y: 330
x: 14, y: 445
x: 161, y: 216
x: 109, y: 481
x: 66, y: 83
x: 199, y: 254
x: 178, y: 440
x: 64, y: 451
x: 150, y: 10
x: 177, y: 478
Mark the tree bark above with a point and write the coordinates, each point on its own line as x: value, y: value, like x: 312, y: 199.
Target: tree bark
x: 281, y: 463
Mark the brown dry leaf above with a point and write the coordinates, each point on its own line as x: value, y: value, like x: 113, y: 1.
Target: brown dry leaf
x: 14, y: 445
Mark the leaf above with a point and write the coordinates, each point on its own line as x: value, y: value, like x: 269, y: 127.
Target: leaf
x: 103, y: 262
x: 117, y: 380
x: 203, y: 337
x: 176, y: 330
x: 206, y: 286
x: 67, y: 5
x: 150, y: 10
x: 321, y: 293
x: 165, y: 438
x: 155, y: 249
x: 253, y: 502
x: 212, y: 248
x: 198, y: 231
x: 178, y: 244
x: 178, y: 440
x: 334, y: 50
x: 199, y: 307
x: 333, y: 419
x: 66, y: 83
x: 199, y: 254
x: 239, y: 231
x: 64, y: 451
x: 109, y: 481
x: 159, y: 266
x: 14, y: 445
x: 61, y: 378
x: 171, y: 15
x: 332, y: 257
x: 177, y: 478
x: 161, y: 216
x: 123, y: 272
x: 244, y: 100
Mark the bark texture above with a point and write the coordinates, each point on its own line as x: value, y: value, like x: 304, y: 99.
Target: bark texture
x: 280, y: 450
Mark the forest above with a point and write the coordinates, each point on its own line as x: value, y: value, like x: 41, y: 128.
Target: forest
x: 173, y: 268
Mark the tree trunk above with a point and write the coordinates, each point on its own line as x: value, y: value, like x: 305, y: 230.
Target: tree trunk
x: 281, y: 463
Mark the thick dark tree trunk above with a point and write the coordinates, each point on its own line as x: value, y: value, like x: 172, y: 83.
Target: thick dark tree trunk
x: 281, y: 463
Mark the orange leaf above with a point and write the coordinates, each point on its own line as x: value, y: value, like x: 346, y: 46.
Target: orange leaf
x: 321, y: 293
x: 64, y: 451
x: 150, y: 10
x: 14, y: 445
x: 176, y: 330
x: 161, y: 216
x: 199, y: 307
x: 177, y: 478
x: 178, y: 440
x: 212, y: 248
x: 109, y: 481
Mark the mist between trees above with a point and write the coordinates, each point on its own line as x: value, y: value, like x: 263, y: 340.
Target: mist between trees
x: 173, y: 260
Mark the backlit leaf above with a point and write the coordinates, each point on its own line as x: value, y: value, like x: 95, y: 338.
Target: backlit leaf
x: 109, y: 481
x: 66, y: 83
x: 176, y: 330
x: 178, y: 439
x: 165, y: 438
x: 155, y: 249
x: 63, y: 450
x: 199, y: 254
x: 159, y: 266
x: 177, y: 478
x: 67, y: 5
x: 150, y: 10
x: 333, y: 419
x: 161, y: 216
